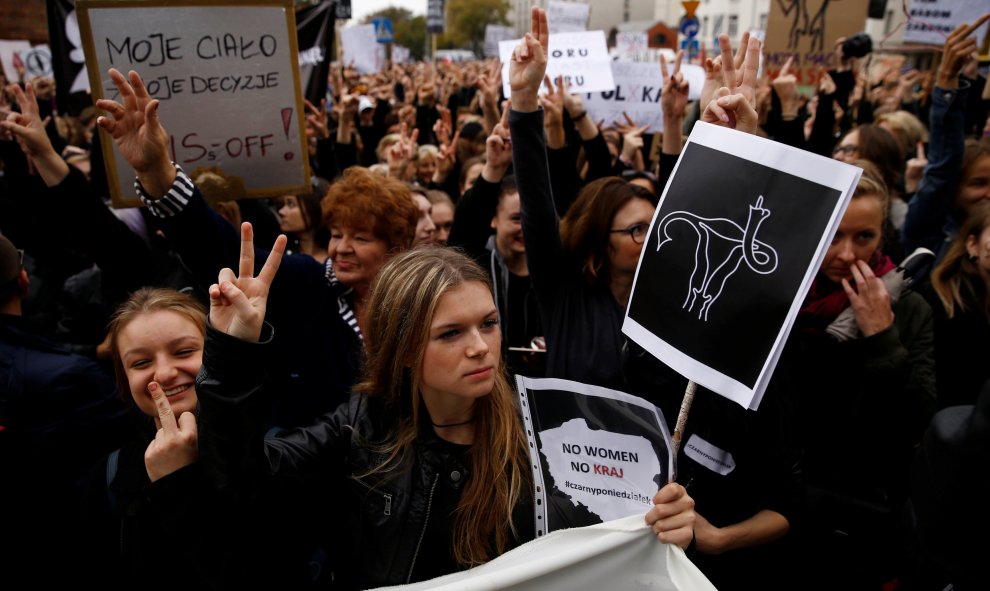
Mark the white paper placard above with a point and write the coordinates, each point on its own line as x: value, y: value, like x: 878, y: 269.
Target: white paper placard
x: 931, y: 21
x: 7, y: 50
x: 581, y: 57
x: 360, y: 48
x: 567, y: 17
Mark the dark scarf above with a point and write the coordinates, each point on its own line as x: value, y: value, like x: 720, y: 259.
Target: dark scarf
x: 826, y: 299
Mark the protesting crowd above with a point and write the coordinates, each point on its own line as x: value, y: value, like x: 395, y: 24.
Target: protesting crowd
x: 316, y: 390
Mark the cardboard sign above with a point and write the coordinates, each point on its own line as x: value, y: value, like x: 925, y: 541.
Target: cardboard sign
x: 567, y: 17
x: 808, y: 29
x: 359, y: 48
x: 597, y: 454
x: 931, y: 21
x: 495, y: 34
x: 741, y: 230
x: 227, y: 78
x: 582, y: 58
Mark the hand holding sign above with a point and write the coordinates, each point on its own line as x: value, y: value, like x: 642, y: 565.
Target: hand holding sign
x: 672, y: 516
x: 176, y: 444
x: 138, y: 133
x: 529, y: 64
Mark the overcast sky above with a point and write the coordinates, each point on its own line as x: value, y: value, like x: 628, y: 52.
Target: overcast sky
x: 360, y: 8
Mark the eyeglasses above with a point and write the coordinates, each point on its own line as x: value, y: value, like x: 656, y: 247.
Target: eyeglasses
x: 637, y: 232
x: 844, y: 150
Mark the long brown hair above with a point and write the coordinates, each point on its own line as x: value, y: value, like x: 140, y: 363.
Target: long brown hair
x: 957, y: 278
x: 585, y: 228
x: 145, y: 301
x: 401, y: 306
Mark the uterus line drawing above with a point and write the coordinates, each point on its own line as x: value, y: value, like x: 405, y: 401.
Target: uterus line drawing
x: 710, y: 274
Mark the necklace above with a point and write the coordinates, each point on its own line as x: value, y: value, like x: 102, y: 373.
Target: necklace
x: 442, y: 426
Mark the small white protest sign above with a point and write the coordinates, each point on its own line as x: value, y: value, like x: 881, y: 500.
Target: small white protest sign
x: 931, y: 21
x: 7, y: 50
x: 400, y: 54
x: 609, y: 473
x: 37, y: 61
x: 637, y: 93
x: 582, y: 58
x: 567, y: 17
x: 630, y: 43
x: 598, y: 454
x: 227, y: 78
x: 360, y: 48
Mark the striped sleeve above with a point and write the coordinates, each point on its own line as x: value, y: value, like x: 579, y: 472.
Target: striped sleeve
x: 174, y: 201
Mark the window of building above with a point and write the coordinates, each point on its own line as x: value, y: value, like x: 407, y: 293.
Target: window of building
x: 763, y: 22
x: 733, y: 25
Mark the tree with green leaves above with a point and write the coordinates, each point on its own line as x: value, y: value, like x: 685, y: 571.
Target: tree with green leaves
x: 407, y: 30
x: 466, y: 22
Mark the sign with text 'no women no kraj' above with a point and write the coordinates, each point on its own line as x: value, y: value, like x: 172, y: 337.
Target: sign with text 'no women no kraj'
x: 227, y: 76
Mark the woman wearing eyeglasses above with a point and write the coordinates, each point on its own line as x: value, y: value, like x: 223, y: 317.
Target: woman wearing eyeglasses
x: 583, y: 269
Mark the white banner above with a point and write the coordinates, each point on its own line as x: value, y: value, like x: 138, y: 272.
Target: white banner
x: 360, y: 49
x: 621, y: 555
x: 930, y: 21
x: 582, y: 58
x: 567, y: 17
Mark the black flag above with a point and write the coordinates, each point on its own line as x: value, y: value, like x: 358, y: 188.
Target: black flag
x: 68, y: 61
x: 314, y: 30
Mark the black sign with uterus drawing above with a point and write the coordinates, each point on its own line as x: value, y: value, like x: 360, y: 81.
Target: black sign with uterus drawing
x: 740, y: 231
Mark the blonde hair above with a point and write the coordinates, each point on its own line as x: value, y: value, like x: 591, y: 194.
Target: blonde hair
x: 401, y: 305
x: 145, y: 301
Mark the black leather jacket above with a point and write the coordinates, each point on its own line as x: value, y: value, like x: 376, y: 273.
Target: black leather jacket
x: 377, y: 523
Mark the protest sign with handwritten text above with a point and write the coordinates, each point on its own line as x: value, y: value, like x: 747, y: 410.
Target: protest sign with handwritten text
x: 227, y: 78
x: 808, y: 30
x: 931, y: 21
x: 567, y: 17
x: 581, y: 58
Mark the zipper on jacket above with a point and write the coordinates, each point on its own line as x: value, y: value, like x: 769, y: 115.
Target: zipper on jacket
x: 426, y: 521
x: 388, y: 503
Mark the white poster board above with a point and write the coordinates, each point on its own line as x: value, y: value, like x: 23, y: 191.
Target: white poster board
x: 494, y: 34
x: 359, y: 48
x: 227, y: 78
x: 567, y: 17
x: 637, y: 93
x: 730, y: 257
x: 582, y: 58
x: 7, y: 50
x: 37, y: 62
x: 931, y: 21
x: 400, y: 54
